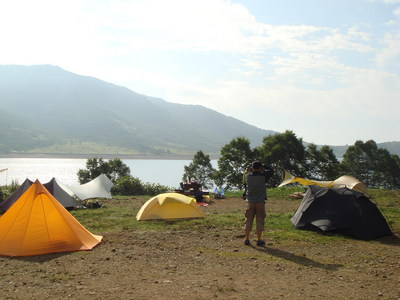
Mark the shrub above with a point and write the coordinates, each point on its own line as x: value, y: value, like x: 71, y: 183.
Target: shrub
x: 155, y: 188
x: 6, y: 191
x: 2, y: 193
x: 129, y: 186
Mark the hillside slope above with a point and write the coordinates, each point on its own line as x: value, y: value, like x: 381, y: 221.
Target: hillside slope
x: 45, y: 109
x: 48, y: 108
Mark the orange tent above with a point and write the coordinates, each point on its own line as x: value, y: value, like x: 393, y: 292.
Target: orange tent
x: 38, y: 224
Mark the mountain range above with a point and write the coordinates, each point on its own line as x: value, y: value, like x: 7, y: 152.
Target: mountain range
x: 47, y: 110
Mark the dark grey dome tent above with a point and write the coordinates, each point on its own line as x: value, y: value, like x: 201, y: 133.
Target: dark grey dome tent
x: 340, y: 210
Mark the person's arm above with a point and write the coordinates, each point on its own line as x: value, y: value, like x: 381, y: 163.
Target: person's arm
x: 269, y: 172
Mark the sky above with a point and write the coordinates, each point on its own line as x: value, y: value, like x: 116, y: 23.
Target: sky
x: 328, y: 70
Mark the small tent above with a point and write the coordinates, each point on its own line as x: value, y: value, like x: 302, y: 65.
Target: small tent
x: 170, y: 206
x: 62, y: 194
x: 99, y: 187
x: 341, y: 210
x: 38, y: 224
x: 6, y: 204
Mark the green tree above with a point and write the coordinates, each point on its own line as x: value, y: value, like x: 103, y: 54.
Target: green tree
x: 200, y: 170
x: 235, y: 157
x: 283, y: 151
x: 393, y: 180
x: 117, y: 169
x: 321, y: 164
x: 374, y: 166
x: 359, y: 161
x: 114, y: 169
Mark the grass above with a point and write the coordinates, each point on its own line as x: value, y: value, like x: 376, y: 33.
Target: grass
x: 388, y: 203
x: 276, y: 193
x: 120, y: 214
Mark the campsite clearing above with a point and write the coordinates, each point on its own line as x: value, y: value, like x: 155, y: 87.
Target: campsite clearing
x: 206, y: 259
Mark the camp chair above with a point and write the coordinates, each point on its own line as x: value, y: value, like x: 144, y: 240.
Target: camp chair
x: 217, y: 194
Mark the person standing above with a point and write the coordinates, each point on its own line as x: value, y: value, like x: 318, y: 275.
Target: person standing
x: 256, y: 195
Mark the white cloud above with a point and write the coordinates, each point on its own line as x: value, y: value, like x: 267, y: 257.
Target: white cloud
x: 390, y: 54
x: 396, y: 12
x: 359, y: 110
x: 386, y: 1
x: 176, y: 25
x: 117, y: 28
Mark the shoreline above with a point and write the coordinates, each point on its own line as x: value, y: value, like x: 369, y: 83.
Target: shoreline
x: 104, y: 156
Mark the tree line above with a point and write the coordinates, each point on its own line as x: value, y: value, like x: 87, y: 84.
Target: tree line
x: 120, y: 175
x: 375, y: 167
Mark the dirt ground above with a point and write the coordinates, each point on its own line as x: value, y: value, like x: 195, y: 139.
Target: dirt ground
x: 209, y: 265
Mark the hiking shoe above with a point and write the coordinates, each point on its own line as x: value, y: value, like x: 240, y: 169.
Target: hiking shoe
x: 260, y: 243
x: 247, y: 242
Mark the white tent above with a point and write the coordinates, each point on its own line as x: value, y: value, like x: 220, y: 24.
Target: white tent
x: 99, y: 187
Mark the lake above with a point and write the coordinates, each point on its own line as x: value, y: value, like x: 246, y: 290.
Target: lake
x: 164, y: 172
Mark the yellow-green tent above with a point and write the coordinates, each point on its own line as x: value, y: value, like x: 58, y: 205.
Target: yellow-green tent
x: 170, y: 206
x: 38, y: 224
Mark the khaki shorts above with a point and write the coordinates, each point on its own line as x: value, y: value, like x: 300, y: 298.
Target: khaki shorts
x: 257, y: 210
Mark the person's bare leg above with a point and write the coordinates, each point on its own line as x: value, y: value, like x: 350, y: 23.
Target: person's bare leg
x: 247, y: 237
x: 260, y: 241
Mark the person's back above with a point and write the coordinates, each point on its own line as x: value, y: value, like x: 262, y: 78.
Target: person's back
x: 256, y: 190
x: 256, y: 184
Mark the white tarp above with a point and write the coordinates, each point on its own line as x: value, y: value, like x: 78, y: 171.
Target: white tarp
x: 99, y: 187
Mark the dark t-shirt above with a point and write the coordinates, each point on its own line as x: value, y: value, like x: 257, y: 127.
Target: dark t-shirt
x: 256, y: 185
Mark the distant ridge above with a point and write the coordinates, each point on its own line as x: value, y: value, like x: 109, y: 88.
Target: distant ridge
x: 49, y: 110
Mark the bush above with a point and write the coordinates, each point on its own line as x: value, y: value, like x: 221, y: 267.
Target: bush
x: 155, y: 189
x: 129, y: 186
x: 2, y: 193
x: 6, y: 191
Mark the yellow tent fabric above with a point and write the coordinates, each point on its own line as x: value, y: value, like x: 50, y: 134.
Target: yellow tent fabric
x: 289, y: 178
x: 343, y: 181
x: 170, y: 206
x: 38, y: 224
